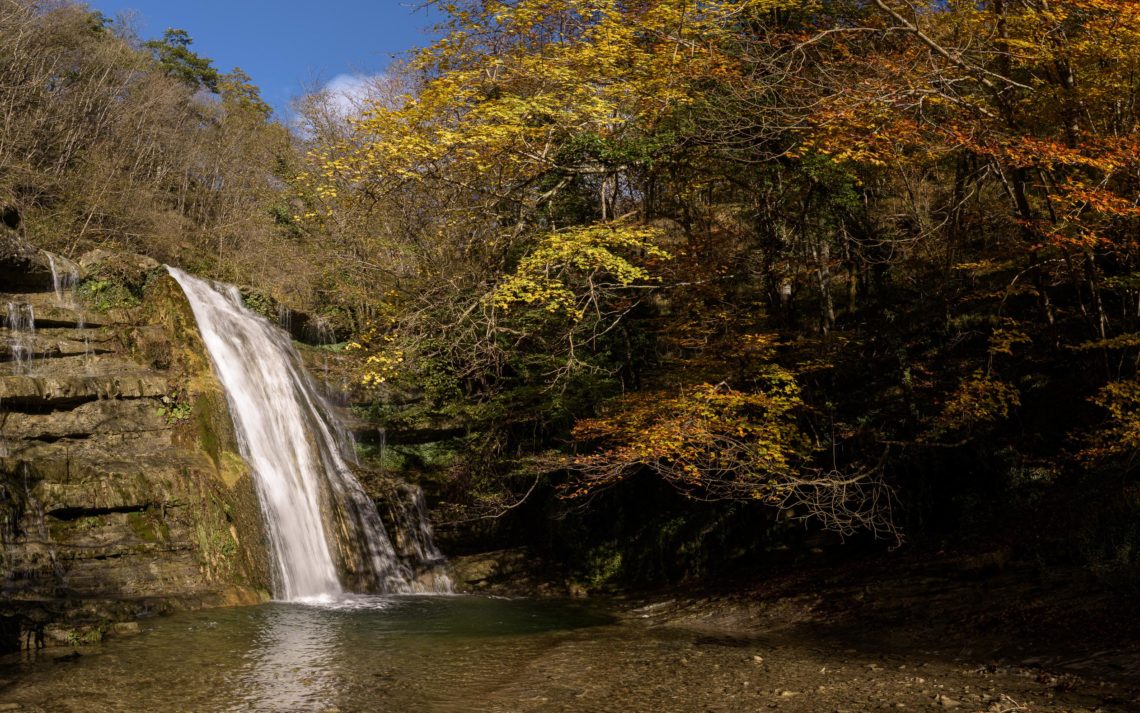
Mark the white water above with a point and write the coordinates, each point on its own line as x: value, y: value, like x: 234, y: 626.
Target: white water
x: 325, y: 532
x: 63, y: 282
x: 3, y: 446
x: 21, y: 323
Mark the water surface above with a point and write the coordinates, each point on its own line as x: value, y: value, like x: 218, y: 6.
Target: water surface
x: 402, y: 653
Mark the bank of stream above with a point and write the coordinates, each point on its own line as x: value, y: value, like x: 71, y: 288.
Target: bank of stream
x: 852, y: 640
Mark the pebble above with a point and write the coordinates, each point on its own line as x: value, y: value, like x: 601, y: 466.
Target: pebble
x: 947, y: 702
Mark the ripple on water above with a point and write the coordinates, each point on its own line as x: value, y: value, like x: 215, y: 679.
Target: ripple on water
x: 352, y: 653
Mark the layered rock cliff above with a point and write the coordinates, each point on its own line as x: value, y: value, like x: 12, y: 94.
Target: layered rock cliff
x: 121, y: 489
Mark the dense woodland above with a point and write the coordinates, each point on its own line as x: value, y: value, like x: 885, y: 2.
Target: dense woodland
x: 660, y: 286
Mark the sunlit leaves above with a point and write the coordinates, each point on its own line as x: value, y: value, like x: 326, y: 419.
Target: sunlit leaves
x: 1043, y: 92
x: 1122, y: 436
x: 511, y: 83
x: 706, y: 437
x: 567, y: 268
x: 978, y: 400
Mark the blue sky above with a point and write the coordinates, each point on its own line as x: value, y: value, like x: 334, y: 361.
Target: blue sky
x: 287, y: 46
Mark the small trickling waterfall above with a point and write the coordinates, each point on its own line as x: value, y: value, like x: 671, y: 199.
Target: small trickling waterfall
x: 413, y: 533
x: 3, y: 447
x: 21, y: 323
x: 64, y: 278
x: 285, y: 318
x: 325, y: 532
x: 40, y: 536
x: 64, y: 281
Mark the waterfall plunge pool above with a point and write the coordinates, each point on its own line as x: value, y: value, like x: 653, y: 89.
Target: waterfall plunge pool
x: 470, y: 654
x: 359, y: 653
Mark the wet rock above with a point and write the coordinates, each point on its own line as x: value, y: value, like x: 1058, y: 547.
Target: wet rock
x: 511, y: 572
x: 125, y: 628
x: 120, y: 479
x: 52, y: 391
x: 103, y: 416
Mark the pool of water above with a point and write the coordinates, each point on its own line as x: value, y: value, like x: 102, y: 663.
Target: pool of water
x: 423, y: 653
x: 451, y: 654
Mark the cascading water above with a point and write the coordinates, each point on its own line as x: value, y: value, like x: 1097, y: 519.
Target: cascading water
x: 62, y: 281
x: 325, y: 532
x: 21, y: 323
x: 285, y: 318
x: 3, y: 444
x: 409, y: 511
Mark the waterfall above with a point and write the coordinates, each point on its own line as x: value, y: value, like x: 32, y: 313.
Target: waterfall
x: 3, y: 447
x: 325, y: 533
x: 21, y: 323
x: 409, y: 512
x: 285, y: 318
x: 62, y: 282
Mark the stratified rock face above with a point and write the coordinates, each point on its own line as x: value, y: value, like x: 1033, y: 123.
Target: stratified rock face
x: 121, y: 491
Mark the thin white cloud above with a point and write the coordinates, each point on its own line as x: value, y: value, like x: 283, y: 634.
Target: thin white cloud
x: 328, y: 111
x: 348, y: 93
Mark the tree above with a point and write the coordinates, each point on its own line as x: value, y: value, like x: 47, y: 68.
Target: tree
x: 177, y: 60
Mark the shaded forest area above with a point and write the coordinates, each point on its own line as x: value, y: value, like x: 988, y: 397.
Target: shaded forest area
x: 663, y: 288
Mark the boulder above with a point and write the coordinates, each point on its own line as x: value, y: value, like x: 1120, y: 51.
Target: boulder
x: 22, y: 267
x: 130, y: 268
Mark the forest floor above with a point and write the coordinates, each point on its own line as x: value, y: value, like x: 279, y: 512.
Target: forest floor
x: 890, y: 633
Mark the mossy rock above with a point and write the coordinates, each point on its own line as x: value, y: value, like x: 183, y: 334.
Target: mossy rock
x: 149, y: 526
x: 115, y: 280
x: 233, y: 545
x: 165, y: 305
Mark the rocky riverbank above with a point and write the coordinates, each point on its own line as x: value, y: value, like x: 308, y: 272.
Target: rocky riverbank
x: 893, y: 633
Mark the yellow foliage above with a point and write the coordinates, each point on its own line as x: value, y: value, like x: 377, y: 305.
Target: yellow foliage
x: 1121, y: 341
x: 592, y: 253
x: 1002, y: 340
x: 707, y: 436
x: 509, y: 82
x: 383, y: 359
x: 1122, y: 400
x: 978, y: 399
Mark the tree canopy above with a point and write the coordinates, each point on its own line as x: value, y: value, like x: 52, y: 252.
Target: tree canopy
x: 872, y: 265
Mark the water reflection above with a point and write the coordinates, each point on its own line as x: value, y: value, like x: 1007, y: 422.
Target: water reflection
x: 400, y: 653
x: 292, y: 661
